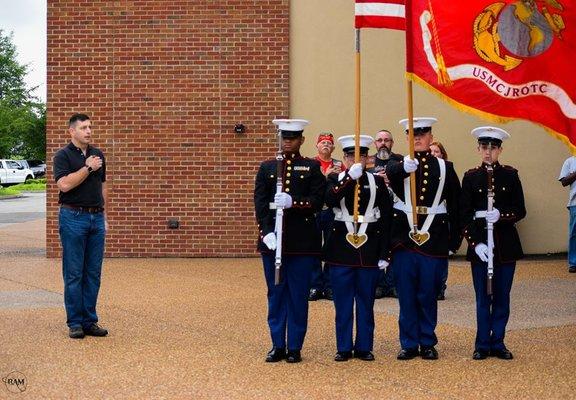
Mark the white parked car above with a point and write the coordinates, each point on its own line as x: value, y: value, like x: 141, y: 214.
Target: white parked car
x: 38, y: 167
x: 11, y: 173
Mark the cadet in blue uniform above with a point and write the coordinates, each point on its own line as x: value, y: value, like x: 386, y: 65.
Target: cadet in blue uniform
x: 302, y: 196
x: 354, y: 270
x: 418, y: 268
x: 492, y: 312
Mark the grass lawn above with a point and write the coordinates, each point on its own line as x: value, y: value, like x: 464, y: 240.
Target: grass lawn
x: 33, y: 185
x: 8, y: 191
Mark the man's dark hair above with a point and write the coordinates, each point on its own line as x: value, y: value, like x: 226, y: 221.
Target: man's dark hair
x: 77, y: 117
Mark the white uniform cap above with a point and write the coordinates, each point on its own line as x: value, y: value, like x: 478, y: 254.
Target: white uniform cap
x: 419, y: 122
x: 293, y: 125
x: 487, y: 133
x: 348, y: 142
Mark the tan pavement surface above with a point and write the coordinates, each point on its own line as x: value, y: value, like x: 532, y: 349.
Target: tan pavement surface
x: 196, y: 329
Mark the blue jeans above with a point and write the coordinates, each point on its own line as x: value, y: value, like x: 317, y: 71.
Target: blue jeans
x: 82, y: 236
x: 572, y: 237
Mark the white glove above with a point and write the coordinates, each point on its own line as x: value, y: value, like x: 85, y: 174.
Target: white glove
x: 355, y: 171
x: 283, y: 200
x: 410, y: 165
x: 493, y: 216
x: 383, y: 264
x: 482, y: 251
x: 270, y: 241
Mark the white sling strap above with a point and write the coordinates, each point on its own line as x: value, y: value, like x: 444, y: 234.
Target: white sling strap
x: 436, y: 208
x: 371, y: 214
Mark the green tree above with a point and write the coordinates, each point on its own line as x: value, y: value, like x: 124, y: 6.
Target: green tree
x: 22, y: 116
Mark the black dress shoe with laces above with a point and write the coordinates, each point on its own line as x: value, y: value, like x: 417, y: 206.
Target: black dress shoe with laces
x: 364, y: 355
x: 76, y: 333
x: 428, y: 353
x: 95, y: 330
x: 503, y: 354
x: 379, y: 292
x: 480, y: 354
x: 276, y: 354
x: 315, y: 294
x: 293, y: 356
x: 328, y: 294
x: 407, y: 354
x: 343, y: 356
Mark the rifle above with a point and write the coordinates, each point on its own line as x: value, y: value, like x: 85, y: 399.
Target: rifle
x: 279, y: 211
x: 490, y: 226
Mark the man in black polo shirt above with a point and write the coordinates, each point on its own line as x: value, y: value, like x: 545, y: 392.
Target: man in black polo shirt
x: 80, y: 173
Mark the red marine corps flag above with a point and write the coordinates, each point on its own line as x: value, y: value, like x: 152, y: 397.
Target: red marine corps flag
x: 502, y: 60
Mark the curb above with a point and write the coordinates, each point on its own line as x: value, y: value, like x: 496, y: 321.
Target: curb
x: 15, y: 196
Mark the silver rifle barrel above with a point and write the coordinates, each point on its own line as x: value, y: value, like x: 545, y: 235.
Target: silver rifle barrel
x: 490, y: 226
x: 279, y: 211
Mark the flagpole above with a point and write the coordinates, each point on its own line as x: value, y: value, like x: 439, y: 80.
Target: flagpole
x: 357, y: 130
x: 411, y: 145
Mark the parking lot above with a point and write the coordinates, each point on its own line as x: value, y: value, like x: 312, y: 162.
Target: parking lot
x: 28, y: 207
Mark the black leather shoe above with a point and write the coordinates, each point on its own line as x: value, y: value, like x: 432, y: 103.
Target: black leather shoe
x: 276, y: 354
x: 428, y: 353
x: 480, y: 354
x: 343, y: 356
x: 364, y: 355
x: 95, y: 330
x: 328, y: 294
x: 441, y: 296
x: 392, y: 293
x: 407, y: 354
x: 503, y: 354
x: 76, y: 333
x: 572, y: 269
x: 314, y: 295
x: 293, y: 356
x: 379, y: 292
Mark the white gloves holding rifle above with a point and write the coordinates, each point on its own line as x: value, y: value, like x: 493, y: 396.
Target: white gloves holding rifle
x: 282, y: 200
x: 481, y: 250
x: 410, y: 165
x: 355, y: 171
x: 493, y: 216
x: 383, y: 264
x: 270, y: 241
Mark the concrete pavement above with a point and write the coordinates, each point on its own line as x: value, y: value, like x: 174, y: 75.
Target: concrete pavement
x: 29, y: 207
x: 196, y: 328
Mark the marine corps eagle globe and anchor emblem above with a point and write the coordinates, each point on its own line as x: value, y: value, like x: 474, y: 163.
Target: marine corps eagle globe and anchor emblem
x: 524, y: 28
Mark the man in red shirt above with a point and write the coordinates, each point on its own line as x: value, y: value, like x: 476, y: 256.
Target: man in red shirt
x: 320, y: 284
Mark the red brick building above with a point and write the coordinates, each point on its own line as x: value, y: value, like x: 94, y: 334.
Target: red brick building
x: 164, y: 83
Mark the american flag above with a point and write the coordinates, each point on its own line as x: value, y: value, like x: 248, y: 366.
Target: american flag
x: 388, y: 14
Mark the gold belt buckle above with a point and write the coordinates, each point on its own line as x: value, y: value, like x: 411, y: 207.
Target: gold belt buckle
x: 421, y: 210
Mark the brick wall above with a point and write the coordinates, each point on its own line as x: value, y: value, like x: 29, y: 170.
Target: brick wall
x: 164, y: 83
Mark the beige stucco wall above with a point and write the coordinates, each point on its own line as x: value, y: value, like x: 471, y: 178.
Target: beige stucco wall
x: 322, y: 74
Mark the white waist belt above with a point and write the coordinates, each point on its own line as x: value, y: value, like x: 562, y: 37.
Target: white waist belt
x: 367, y: 218
x: 480, y: 214
x: 439, y: 209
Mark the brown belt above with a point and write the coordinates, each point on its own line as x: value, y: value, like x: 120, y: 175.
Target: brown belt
x: 90, y: 210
